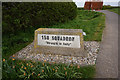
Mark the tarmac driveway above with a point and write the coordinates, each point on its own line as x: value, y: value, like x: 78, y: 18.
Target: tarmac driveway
x: 107, y: 61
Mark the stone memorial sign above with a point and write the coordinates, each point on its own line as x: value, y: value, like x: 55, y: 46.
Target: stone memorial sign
x: 59, y: 41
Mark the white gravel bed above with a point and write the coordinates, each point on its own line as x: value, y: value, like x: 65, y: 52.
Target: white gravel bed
x: 92, y: 48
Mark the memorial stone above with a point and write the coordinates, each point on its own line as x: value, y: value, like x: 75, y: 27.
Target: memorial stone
x: 59, y: 42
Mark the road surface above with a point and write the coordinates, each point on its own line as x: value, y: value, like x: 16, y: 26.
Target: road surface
x: 107, y: 61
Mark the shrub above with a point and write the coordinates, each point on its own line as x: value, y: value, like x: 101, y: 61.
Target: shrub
x: 28, y: 70
x: 19, y: 16
x: 106, y: 7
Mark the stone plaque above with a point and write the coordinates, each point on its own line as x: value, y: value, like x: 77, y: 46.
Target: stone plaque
x: 59, y: 41
x: 71, y: 41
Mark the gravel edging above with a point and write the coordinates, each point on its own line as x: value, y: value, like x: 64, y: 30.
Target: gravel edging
x: 92, y: 48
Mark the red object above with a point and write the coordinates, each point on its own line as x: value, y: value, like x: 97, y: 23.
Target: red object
x: 93, y: 5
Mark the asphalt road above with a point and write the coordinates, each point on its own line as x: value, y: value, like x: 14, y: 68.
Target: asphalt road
x: 107, y: 61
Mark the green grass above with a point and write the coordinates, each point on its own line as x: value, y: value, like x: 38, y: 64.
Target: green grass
x: 116, y: 10
x: 15, y: 42
x: 92, y: 23
x: 31, y: 70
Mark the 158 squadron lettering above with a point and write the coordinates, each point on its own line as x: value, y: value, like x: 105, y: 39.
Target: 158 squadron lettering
x: 58, y: 38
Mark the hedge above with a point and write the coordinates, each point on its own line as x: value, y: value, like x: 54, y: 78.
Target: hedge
x: 23, y: 15
x: 106, y: 7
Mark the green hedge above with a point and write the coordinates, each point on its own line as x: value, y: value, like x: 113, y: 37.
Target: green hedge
x: 19, y: 16
x: 107, y: 7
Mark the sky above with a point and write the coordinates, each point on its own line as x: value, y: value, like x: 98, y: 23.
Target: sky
x: 80, y: 3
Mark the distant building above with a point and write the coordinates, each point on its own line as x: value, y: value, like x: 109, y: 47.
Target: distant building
x: 93, y: 5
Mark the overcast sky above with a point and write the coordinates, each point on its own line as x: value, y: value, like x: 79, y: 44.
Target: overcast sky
x: 80, y: 3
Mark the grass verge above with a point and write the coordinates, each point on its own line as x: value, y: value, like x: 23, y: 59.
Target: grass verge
x: 90, y: 22
x: 115, y: 10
